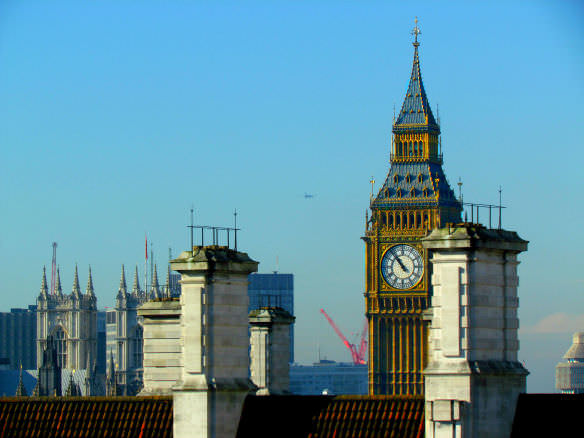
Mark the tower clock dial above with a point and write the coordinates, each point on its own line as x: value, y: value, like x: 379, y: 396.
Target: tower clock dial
x: 402, y: 266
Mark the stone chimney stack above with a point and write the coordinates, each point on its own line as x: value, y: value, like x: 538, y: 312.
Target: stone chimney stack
x: 208, y: 397
x: 473, y: 377
x: 163, y: 361
x: 270, y: 349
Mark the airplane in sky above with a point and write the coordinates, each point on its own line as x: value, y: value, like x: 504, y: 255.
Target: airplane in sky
x: 308, y: 196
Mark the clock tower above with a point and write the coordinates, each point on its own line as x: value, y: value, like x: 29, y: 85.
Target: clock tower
x: 414, y: 199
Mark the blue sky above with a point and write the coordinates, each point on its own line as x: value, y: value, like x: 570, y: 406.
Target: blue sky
x: 116, y: 116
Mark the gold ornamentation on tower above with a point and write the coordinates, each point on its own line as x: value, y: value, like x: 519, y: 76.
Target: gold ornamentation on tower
x: 414, y: 199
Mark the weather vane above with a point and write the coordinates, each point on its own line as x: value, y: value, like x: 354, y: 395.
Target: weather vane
x: 415, y: 32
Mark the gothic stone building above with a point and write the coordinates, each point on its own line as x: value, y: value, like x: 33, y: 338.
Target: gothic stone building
x: 69, y: 321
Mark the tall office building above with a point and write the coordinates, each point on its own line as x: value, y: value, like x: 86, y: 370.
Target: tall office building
x: 70, y: 322
x: 570, y: 373
x: 273, y: 290
x: 18, y: 337
x: 414, y: 198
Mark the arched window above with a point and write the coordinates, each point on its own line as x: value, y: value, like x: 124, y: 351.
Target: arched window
x: 421, y: 148
x: 59, y: 339
x: 418, y: 219
x: 395, y: 178
x: 411, y: 148
x: 416, y: 148
x: 397, y: 220
x: 390, y: 220
x: 137, y: 346
x: 400, y: 148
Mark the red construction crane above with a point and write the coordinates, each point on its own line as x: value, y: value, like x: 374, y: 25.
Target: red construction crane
x: 358, y: 356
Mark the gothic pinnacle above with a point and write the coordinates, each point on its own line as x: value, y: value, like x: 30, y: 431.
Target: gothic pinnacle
x: 136, y: 286
x: 123, y: 280
x: 44, y: 288
x: 155, y: 289
x: 76, y: 292
x: 20, y: 389
x: 58, y: 289
x: 89, y: 290
x: 167, y: 287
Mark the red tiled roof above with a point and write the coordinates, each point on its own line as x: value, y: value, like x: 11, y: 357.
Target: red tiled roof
x: 86, y: 417
x: 332, y: 417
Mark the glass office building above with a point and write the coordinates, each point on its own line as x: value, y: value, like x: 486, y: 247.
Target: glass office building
x: 273, y: 290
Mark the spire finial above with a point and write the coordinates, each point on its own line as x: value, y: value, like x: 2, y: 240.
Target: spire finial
x: 415, y: 32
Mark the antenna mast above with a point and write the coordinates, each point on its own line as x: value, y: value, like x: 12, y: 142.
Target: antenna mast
x: 54, y: 268
x: 235, y: 226
x: 192, y: 225
x: 145, y: 263
x: 500, y: 190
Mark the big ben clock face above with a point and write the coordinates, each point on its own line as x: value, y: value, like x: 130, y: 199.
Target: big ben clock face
x: 402, y: 266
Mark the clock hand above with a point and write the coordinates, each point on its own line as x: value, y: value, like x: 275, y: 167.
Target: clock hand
x: 401, y: 264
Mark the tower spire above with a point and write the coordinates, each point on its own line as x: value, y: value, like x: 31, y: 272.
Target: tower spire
x: 76, y: 292
x: 44, y: 289
x: 416, y: 134
x: 89, y: 290
x: 415, y: 112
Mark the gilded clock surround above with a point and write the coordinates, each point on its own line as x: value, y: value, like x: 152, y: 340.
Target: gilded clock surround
x: 414, y: 199
x: 387, y: 253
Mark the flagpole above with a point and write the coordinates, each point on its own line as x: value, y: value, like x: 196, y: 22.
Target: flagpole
x: 145, y: 264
